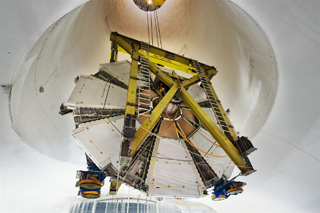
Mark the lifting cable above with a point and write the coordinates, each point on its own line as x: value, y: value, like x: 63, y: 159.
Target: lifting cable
x: 214, y: 143
x: 185, y: 138
x: 159, y: 29
x: 159, y: 42
x: 153, y: 22
x: 151, y: 28
x: 148, y: 28
x: 156, y: 27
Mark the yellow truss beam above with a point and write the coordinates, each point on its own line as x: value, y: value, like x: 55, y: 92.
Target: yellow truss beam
x: 125, y: 43
x: 132, y: 86
x: 157, y: 59
x: 162, y: 57
x: 214, y: 130
x: 195, y: 79
x: 224, y: 114
x: 148, y: 124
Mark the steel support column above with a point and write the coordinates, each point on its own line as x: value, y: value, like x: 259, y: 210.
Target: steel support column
x: 214, y: 130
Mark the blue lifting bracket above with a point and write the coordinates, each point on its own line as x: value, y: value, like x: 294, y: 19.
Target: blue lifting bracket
x: 224, y: 188
x: 91, y: 181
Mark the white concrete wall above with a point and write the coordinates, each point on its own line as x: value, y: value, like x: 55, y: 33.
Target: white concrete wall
x: 213, y: 32
x: 288, y: 145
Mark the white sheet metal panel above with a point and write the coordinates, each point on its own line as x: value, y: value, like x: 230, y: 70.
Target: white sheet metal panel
x: 93, y: 92
x: 119, y: 70
x: 88, y: 92
x: 100, y: 140
x: 197, y: 93
x: 116, y: 98
x: 118, y: 121
x: 219, y: 165
x: 171, y: 173
x: 210, y: 113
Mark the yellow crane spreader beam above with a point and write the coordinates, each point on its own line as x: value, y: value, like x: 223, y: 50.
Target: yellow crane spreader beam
x: 164, y: 57
x: 212, y: 128
x: 157, y: 59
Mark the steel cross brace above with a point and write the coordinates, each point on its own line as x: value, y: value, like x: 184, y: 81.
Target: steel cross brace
x: 147, y: 125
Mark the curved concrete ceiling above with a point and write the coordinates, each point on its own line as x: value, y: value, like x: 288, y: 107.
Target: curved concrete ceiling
x: 217, y: 33
x: 288, y: 156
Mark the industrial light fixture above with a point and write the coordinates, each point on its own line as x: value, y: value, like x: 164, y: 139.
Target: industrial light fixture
x: 149, y: 5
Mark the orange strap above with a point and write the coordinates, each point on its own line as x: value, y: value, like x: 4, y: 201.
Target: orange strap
x: 90, y: 181
x: 90, y: 192
x: 200, y: 150
x: 214, y: 143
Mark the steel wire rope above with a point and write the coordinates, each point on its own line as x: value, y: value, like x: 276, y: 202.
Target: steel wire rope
x: 159, y: 39
x: 148, y: 28
x: 164, y: 157
x: 185, y: 161
x: 219, y: 163
x: 151, y: 28
x: 194, y: 146
x: 208, y: 158
x: 156, y: 28
x: 212, y: 116
x: 159, y: 29
x: 214, y: 143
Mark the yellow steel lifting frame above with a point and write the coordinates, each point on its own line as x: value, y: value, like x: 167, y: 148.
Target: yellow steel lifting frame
x: 126, y: 44
x: 163, y: 57
x: 224, y: 114
x: 132, y: 87
x: 148, y: 124
x: 233, y: 132
x: 166, y: 62
x: 214, y: 130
